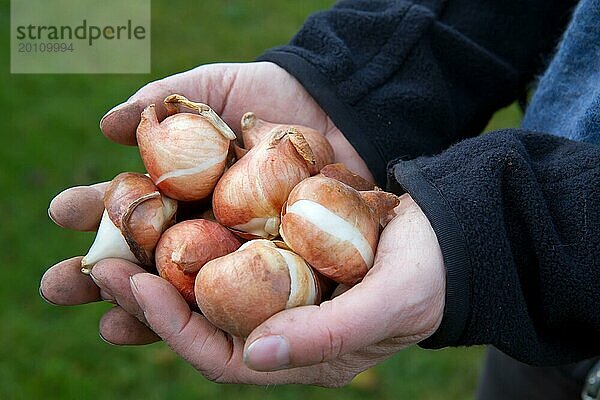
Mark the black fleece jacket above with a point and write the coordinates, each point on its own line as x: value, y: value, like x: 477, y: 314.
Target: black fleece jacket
x: 517, y: 213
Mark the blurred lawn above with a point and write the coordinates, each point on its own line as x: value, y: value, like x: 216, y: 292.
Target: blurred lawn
x: 50, y: 127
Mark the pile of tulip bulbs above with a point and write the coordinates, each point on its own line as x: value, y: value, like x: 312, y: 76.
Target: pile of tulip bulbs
x: 242, y: 228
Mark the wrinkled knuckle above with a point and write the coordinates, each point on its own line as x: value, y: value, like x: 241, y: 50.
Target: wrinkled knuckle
x: 333, y: 335
x: 334, y: 344
x: 226, y: 375
x: 178, y: 336
x: 218, y: 375
x: 215, y: 373
x: 222, y: 372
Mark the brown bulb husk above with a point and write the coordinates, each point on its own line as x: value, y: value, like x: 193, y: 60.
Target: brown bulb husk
x: 185, y: 247
x: 135, y: 216
x: 239, y: 291
x: 249, y: 196
x: 255, y: 130
x: 334, y: 227
x: 186, y: 153
x: 340, y: 172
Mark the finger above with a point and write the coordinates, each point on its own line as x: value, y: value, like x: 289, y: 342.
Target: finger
x: 212, y: 352
x: 65, y: 284
x: 315, y: 334
x: 119, y: 327
x: 120, y: 123
x: 112, y: 276
x: 401, y: 297
x: 189, y: 334
x: 78, y: 208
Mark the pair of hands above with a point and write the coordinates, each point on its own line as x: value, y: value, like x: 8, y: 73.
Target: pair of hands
x: 400, y: 301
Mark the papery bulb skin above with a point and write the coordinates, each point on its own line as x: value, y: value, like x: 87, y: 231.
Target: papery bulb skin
x: 332, y: 227
x: 249, y: 196
x: 135, y: 216
x: 239, y: 291
x: 186, y: 153
x: 254, y: 130
x: 184, y: 248
x: 340, y: 172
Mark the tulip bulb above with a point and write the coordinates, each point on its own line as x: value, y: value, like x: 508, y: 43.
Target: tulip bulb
x: 135, y: 215
x: 334, y: 227
x: 254, y: 130
x: 249, y: 196
x: 239, y: 291
x: 185, y: 247
x: 187, y: 152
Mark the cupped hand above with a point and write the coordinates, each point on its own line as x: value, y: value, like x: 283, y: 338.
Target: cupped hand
x: 232, y: 90
x: 400, y: 302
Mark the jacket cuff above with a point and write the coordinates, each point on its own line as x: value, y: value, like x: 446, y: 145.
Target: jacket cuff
x: 319, y: 87
x: 407, y: 176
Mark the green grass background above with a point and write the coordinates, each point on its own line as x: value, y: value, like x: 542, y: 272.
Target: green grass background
x: 51, y: 140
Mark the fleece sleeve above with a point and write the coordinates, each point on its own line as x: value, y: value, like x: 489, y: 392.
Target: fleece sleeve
x: 408, y: 78
x: 517, y: 215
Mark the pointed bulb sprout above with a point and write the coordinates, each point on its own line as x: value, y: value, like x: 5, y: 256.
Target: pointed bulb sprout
x: 135, y: 215
x: 187, y: 152
x: 255, y: 130
x: 249, y: 196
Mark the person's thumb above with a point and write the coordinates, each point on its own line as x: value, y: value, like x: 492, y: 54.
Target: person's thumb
x: 314, y: 334
x: 401, y: 298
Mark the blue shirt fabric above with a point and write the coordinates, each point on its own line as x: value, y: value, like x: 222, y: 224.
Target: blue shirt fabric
x: 567, y: 100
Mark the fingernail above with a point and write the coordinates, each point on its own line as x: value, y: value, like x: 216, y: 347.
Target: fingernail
x: 52, y: 216
x: 136, y: 292
x: 114, y: 110
x: 104, y: 295
x: 268, y: 353
x: 47, y: 300
x: 104, y: 339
